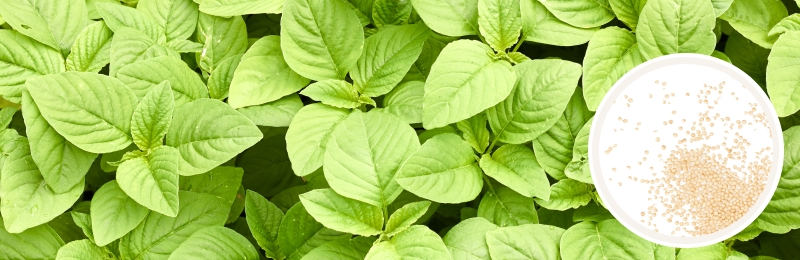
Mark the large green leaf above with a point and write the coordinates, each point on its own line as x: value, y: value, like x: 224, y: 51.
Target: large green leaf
x: 114, y: 214
x: 553, y: 149
x: 40, y: 242
x: 92, y: 49
x: 676, y: 26
x: 83, y: 249
x: 515, y: 166
x: 333, y: 92
x: 264, y: 220
x: 91, y: 111
x: 566, y: 194
x: 300, y: 233
x: 464, y: 81
x: 416, y: 242
x: 605, y: 240
x: 530, y: 241
x: 27, y: 200
x: 406, y: 216
x: 221, y: 38
x: 628, y: 11
x: 308, y: 136
x: 539, y: 97
x: 390, y: 12
x: 500, y: 22
x: 387, y: 57
x: 342, y: 249
x: 783, y: 211
x: 540, y: 25
x: 177, y: 17
x: 63, y: 165
x: 215, y: 243
x: 358, y: 165
x: 405, y: 101
x: 158, y: 235
x: 120, y: 16
x: 54, y: 23
x: 142, y: 76
x: 787, y: 24
x: 219, y: 83
x: 152, y: 179
x: 152, y: 117
x: 581, y: 13
x: 504, y: 207
x: 22, y: 58
x: 222, y: 181
x: 467, y: 240
x: 343, y: 214
x: 474, y: 131
x: 241, y: 7
x: 449, y: 17
x: 263, y: 75
x: 755, y: 18
x: 208, y: 133
x: 748, y: 56
x: 782, y: 77
x: 442, y: 170
x: 612, y: 52
x: 128, y: 46
x: 320, y: 39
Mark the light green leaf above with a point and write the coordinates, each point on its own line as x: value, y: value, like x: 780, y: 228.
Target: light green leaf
x: 66, y: 228
x: 62, y: 164
x: 500, y: 22
x: 128, y: 46
x: 721, y: 6
x: 290, y: 196
x: 219, y: 82
x: 716, y: 251
x: 92, y: 49
x: 531, y: 241
x: 790, y: 23
x: 264, y: 219
x: 120, y: 16
x: 308, y: 136
x: 449, y: 17
x: 342, y: 249
x: 431, y: 49
x: 719, y: 55
x: 539, y: 97
x: 221, y: 38
x: 22, y: 58
x: 591, y: 212
x: 325, y: 47
x: 627, y: 11
x: 504, y: 207
x: 604, y: 240
x: 158, y: 235
x: 566, y: 194
x: 83, y: 249
x: 748, y: 56
x: 581, y: 13
x: 782, y: 79
x: 263, y: 76
x: 27, y: 202
x: 676, y: 26
x: 390, y: 12
x: 515, y: 166
x: 467, y: 240
x: 540, y: 25
x: 474, y: 131
x: 749, y: 233
x: 405, y: 101
x: 333, y: 92
x: 416, y: 242
x: 215, y: 243
x: 184, y: 46
x: 300, y: 233
x: 107, y: 159
x: 578, y: 168
x: 54, y: 23
x: 226, y: 8
x: 152, y: 180
x: 177, y: 17
x: 356, y: 163
x: 405, y: 216
x: 152, y: 117
x: 783, y: 211
x: 6, y: 115
x: 464, y: 81
x: 91, y: 111
x: 612, y: 52
x: 40, y: 242
x: 114, y: 214
x: 442, y: 170
x: 755, y: 18
x: 226, y: 185
x: 203, y: 140
x: 143, y: 76
x: 387, y: 57
x: 343, y: 214
x: 553, y: 149
x: 278, y: 113
x: 84, y: 222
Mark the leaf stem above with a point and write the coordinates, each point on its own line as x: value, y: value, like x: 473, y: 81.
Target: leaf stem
x: 519, y: 43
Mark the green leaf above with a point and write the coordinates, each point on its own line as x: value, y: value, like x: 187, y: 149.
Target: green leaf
x: 721, y: 6
x: 416, y: 242
x: 431, y: 49
x: 40, y: 242
x: 539, y: 97
x: 783, y: 211
x: 152, y: 117
x: 6, y: 115
x: 504, y: 207
x: 84, y: 222
x: 62, y: 164
x: 22, y: 58
x: 324, y: 47
x: 531, y: 241
x: 449, y: 17
x: 748, y: 56
x: 540, y: 25
x: 27, y: 201
x: 66, y: 228
x: 553, y: 149
x: 83, y: 249
x: 204, y: 141
x: 464, y: 81
x: 268, y: 157
x: 566, y: 194
x: 788, y: 24
x: 405, y: 216
x: 342, y: 249
x: 387, y: 57
x: 612, y: 52
x: 591, y: 212
x: 278, y: 113
x: 290, y: 196
x: 749, y: 233
x: 754, y: 19
x: 158, y: 235
x: 91, y: 111
x: 142, y: 76
x: 221, y: 38
x: 442, y: 170
x: 264, y: 219
x: 581, y: 13
x: 405, y: 101
x: 308, y: 136
x: 500, y: 22
x: 604, y: 240
x: 782, y: 81
x: 356, y: 163
x: 226, y: 8
x: 177, y: 17
x: 343, y: 214
x: 92, y: 49
x: 716, y: 251
x: 627, y: 11
x: 719, y: 55
x: 119, y: 16
x: 300, y: 233
x: 226, y: 185
x: 128, y: 46
x: 114, y: 214
x: 676, y: 26
x: 390, y: 12
x: 219, y: 82
x: 333, y: 92
x: 263, y: 75
x: 515, y: 166
x: 474, y: 131
x: 152, y: 180
x: 216, y: 243
x: 467, y: 240
x: 54, y: 23
x: 578, y: 168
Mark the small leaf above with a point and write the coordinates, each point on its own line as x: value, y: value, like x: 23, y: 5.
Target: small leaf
x: 405, y: 216
x: 24, y: 58
x: 55, y: 24
x: 387, y: 57
x: 449, y: 17
x: 405, y: 101
x: 117, y: 17
x: 566, y: 194
x: 240, y: 7
x: 92, y: 49
x: 40, y: 242
x: 604, y: 240
x: 676, y: 26
x: 142, y: 76
x: 788, y: 24
x: 219, y: 82
x: 755, y: 19
x: 530, y: 241
x: 343, y: 214
x: 581, y: 13
x: 114, y: 214
x: 83, y: 249
x: 474, y: 131
x: 782, y: 82
x: 152, y: 180
x: 221, y: 38
x: 342, y: 249
x: 278, y: 113
x: 540, y: 25
x: 553, y: 149
x: 467, y: 239
x: 515, y: 166
x: 300, y: 233
x: 308, y: 136
x: 177, y: 17
x: 612, y: 52
x: 217, y: 243
x: 152, y: 117
x: 390, y: 12
x: 500, y: 22
x: 333, y: 92
x: 628, y: 11
x: 504, y: 207
x: 416, y: 242
x: 264, y: 219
